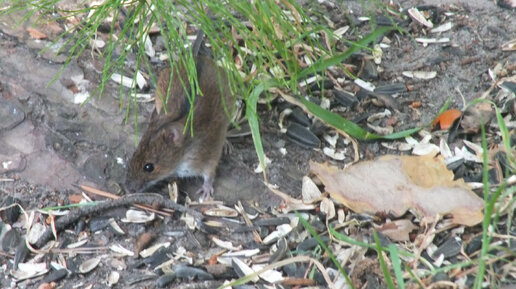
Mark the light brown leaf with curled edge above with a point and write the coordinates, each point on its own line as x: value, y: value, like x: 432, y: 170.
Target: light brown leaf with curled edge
x: 394, y: 184
x: 36, y: 34
x: 397, y: 230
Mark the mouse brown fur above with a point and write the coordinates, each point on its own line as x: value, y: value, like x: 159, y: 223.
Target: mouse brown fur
x: 165, y: 151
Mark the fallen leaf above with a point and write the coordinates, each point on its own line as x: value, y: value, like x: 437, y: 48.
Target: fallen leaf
x: 36, y: 34
x: 75, y: 199
x: 446, y: 119
x: 397, y: 230
x: 394, y: 184
x: 476, y: 116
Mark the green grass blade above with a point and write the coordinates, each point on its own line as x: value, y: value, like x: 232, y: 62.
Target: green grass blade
x: 383, y: 264
x: 396, y: 265
x: 506, y: 138
x: 414, y: 277
x: 445, y: 106
x: 350, y: 127
x: 488, y: 207
x: 349, y: 240
x: 252, y: 118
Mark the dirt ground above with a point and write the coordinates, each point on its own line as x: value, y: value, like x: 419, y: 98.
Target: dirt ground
x: 49, y: 143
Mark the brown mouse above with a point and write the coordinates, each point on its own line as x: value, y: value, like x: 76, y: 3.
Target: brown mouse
x: 167, y: 149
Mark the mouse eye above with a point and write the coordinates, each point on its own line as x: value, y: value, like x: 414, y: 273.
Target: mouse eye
x: 149, y: 167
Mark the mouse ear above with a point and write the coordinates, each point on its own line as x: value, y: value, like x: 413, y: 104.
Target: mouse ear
x: 173, y: 134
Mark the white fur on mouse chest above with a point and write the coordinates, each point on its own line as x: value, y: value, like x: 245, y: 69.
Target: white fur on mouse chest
x: 185, y: 170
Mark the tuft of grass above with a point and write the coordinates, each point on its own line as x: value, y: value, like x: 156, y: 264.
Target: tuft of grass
x: 263, y: 34
x: 491, y: 199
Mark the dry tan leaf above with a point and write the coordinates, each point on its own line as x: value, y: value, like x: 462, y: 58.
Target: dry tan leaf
x: 397, y: 230
x: 476, y: 116
x: 36, y: 34
x: 75, y: 199
x: 394, y: 184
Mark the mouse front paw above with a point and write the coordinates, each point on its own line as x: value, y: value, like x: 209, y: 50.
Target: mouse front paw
x: 206, y: 191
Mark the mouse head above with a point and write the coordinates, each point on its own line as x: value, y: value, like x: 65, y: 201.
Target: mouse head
x: 159, y: 153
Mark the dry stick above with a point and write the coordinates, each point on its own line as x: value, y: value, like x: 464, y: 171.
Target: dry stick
x: 88, y: 250
x: 112, y: 196
x: 206, y: 284
x: 148, y: 199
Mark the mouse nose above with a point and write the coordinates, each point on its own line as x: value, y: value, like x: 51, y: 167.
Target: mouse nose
x: 131, y: 185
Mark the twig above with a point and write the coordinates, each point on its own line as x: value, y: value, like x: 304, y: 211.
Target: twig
x: 206, y: 284
x: 148, y: 199
x: 88, y: 250
x: 114, y: 197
